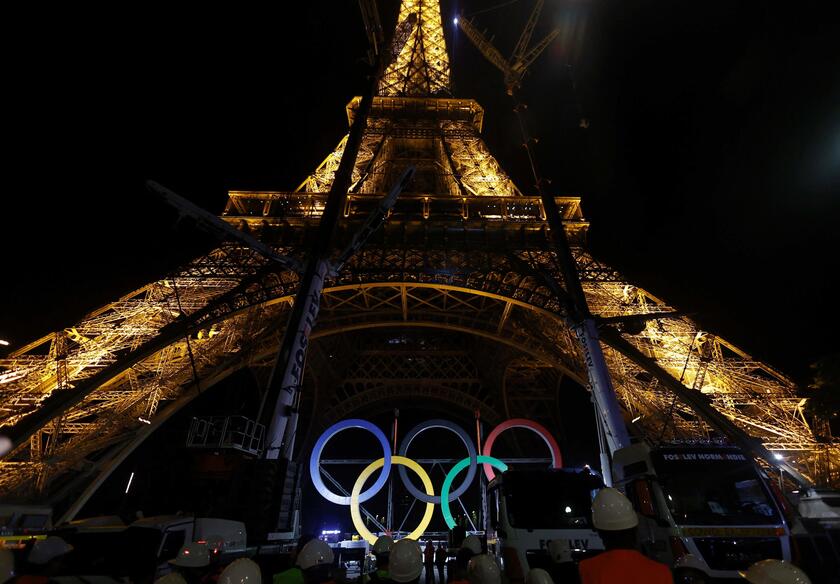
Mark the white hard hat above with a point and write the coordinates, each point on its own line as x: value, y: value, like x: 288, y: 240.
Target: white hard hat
x: 472, y: 543
x: 775, y: 572
x: 7, y: 565
x: 612, y: 511
x: 383, y: 544
x: 538, y: 576
x: 192, y: 555
x: 241, y: 571
x: 406, y: 561
x: 48, y: 549
x: 315, y: 553
x: 484, y: 570
x: 171, y: 578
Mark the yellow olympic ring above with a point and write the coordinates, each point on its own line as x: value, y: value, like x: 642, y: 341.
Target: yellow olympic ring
x: 360, y: 483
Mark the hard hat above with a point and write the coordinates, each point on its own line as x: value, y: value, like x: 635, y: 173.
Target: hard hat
x: 775, y: 572
x: 612, y: 511
x: 472, y: 543
x: 314, y: 553
x: 484, y: 570
x: 7, y: 565
x: 171, y: 578
x: 192, y: 555
x: 406, y: 561
x: 383, y: 544
x: 241, y: 571
x: 538, y: 576
x: 48, y: 549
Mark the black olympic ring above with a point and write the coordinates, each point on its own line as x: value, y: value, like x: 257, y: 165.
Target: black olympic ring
x: 465, y: 438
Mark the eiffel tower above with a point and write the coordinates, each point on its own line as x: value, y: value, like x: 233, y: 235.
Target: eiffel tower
x: 449, y: 305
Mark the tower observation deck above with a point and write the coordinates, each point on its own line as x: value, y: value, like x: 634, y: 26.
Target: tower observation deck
x: 447, y: 305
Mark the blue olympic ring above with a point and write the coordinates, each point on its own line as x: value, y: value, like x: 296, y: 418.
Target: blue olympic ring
x: 315, y: 459
x: 465, y: 438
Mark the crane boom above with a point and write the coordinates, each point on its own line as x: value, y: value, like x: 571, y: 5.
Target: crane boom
x: 525, y: 38
x: 532, y: 55
x: 482, y: 44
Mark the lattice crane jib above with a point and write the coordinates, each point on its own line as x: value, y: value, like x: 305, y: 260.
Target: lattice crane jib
x: 464, y: 252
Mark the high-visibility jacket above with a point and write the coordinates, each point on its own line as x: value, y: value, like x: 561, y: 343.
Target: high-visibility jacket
x: 625, y: 567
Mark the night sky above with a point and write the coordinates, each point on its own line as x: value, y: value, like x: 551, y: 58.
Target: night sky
x: 710, y: 170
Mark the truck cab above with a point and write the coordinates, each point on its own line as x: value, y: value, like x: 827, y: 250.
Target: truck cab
x: 705, y: 510
x: 542, y: 519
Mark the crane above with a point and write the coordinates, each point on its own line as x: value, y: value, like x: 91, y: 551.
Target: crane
x: 612, y: 433
x: 516, y: 66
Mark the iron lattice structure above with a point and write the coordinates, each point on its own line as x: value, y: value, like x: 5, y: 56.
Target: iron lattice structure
x: 464, y: 255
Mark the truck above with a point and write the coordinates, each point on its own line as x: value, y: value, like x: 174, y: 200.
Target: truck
x: 706, y: 510
x: 106, y: 546
x: 542, y: 519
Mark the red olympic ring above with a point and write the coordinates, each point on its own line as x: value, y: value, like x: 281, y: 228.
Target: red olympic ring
x: 556, y: 457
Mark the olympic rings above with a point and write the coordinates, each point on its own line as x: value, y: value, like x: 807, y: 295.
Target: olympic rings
x: 471, y: 462
x: 360, y: 482
x: 315, y: 458
x: 465, y: 438
x: 447, y: 482
x: 556, y: 457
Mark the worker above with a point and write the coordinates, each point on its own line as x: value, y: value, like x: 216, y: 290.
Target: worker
x: 315, y: 561
x: 192, y: 562
x: 483, y: 569
x: 7, y: 565
x: 615, y: 521
x: 428, y: 562
x: 775, y: 572
x: 293, y: 575
x: 440, y: 561
x: 241, y: 571
x: 46, y: 559
x: 406, y: 562
x: 538, y: 576
x: 382, y: 552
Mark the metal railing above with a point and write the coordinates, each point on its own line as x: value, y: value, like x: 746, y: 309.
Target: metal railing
x: 234, y: 432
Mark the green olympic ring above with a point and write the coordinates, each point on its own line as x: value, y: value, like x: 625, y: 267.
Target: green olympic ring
x: 447, y: 483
